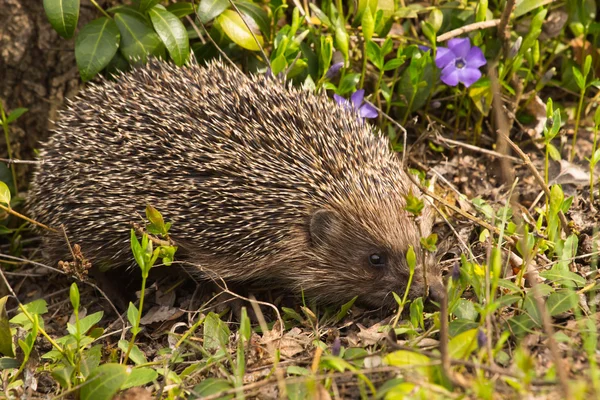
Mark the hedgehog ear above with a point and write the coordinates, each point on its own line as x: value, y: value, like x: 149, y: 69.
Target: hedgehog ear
x: 323, y: 224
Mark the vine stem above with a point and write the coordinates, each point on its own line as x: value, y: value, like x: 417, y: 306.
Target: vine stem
x: 101, y: 9
x: 577, y: 122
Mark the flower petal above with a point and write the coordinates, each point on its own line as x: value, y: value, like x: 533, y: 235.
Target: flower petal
x: 367, y: 111
x: 340, y: 100
x: 424, y: 48
x: 333, y: 70
x: 443, y: 57
x: 357, y: 98
x: 450, y: 78
x: 459, y: 46
x: 469, y: 76
x: 475, y: 58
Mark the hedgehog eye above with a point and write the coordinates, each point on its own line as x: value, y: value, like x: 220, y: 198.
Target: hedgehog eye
x: 377, y: 260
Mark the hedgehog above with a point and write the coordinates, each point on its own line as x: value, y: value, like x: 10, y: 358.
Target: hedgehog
x: 264, y: 183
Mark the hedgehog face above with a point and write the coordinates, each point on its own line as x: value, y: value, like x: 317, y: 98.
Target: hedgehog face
x: 367, y: 259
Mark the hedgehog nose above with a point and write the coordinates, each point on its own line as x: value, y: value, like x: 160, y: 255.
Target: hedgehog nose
x: 437, y: 291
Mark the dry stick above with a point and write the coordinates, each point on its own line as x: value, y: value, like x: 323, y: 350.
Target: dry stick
x: 503, y: 31
x: 492, y: 153
x: 493, y: 369
x: 538, y: 178
x: 10, y: 161
x: 468, y: 28
x: 212, y: 41
x: 262, y: 51
x: 37, y: 264
x: 13, y: 212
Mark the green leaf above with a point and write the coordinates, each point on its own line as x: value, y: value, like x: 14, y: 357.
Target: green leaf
x: 465, y: 309
x: 210, y: 9
x: 211, y: 386
x: 139, y: 377
x: 138, y: 40
x: 4, y: 194
x: 393, y: 64
x: 181, y: 9
x: 560, y: 302
x: 566, y: 278
x: 344, y: 309
x: 416, y: 313
x: 579, y: 79
x: 459, y: 326
x: 172, y: 33
x: 132, y: 314
x: 95, y: 46
x: 404, y: 358
x: 104, y: 382
x: 89, y: 321
x: 9, y: 363
x: 63, y: 16
x: 260, y: 16
x: 553, y: 152
x: 147, y: 4
x: 348, y: 83
x: 587, y: 65
x: 216, y: 333
x: 6, y: 348
x: 597, y: 117
x: 16, y: 113
x: 374, y: 54
x: 136, y: 249
x: 462, y: 345
x: 521, y: 324
x: 136, y: 355
x: 234, y: 27
x: 596, y: 156
x: 91, y: 359
x: 245, y: 330
x: 524, y: 6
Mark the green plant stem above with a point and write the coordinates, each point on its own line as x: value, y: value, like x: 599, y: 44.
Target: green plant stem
x: 8, y: 148
x: 101, y: 9
x: 13, y: 212
x: 409, y: 107
x: 401, y: 307
x: 577, y: 122
x: 137, y: 322
x: 593, y: 165
x: 364, y: 65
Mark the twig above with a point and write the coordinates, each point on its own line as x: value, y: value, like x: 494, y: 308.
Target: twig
x: 538, y: 178
x: 10, y: 161
x: 503, y: 31
x: 468, y: 28
x: 37, y: 264
x: 492, y: 153
x: 262, y: 50
x: 17, y: 214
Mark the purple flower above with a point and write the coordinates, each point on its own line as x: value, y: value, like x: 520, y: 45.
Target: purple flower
x: 356, y: 102
x: 334, y: 70
x: 336, y: 347
x: 481, y: 338
x: 455, y: 272
x: 460, y: 62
